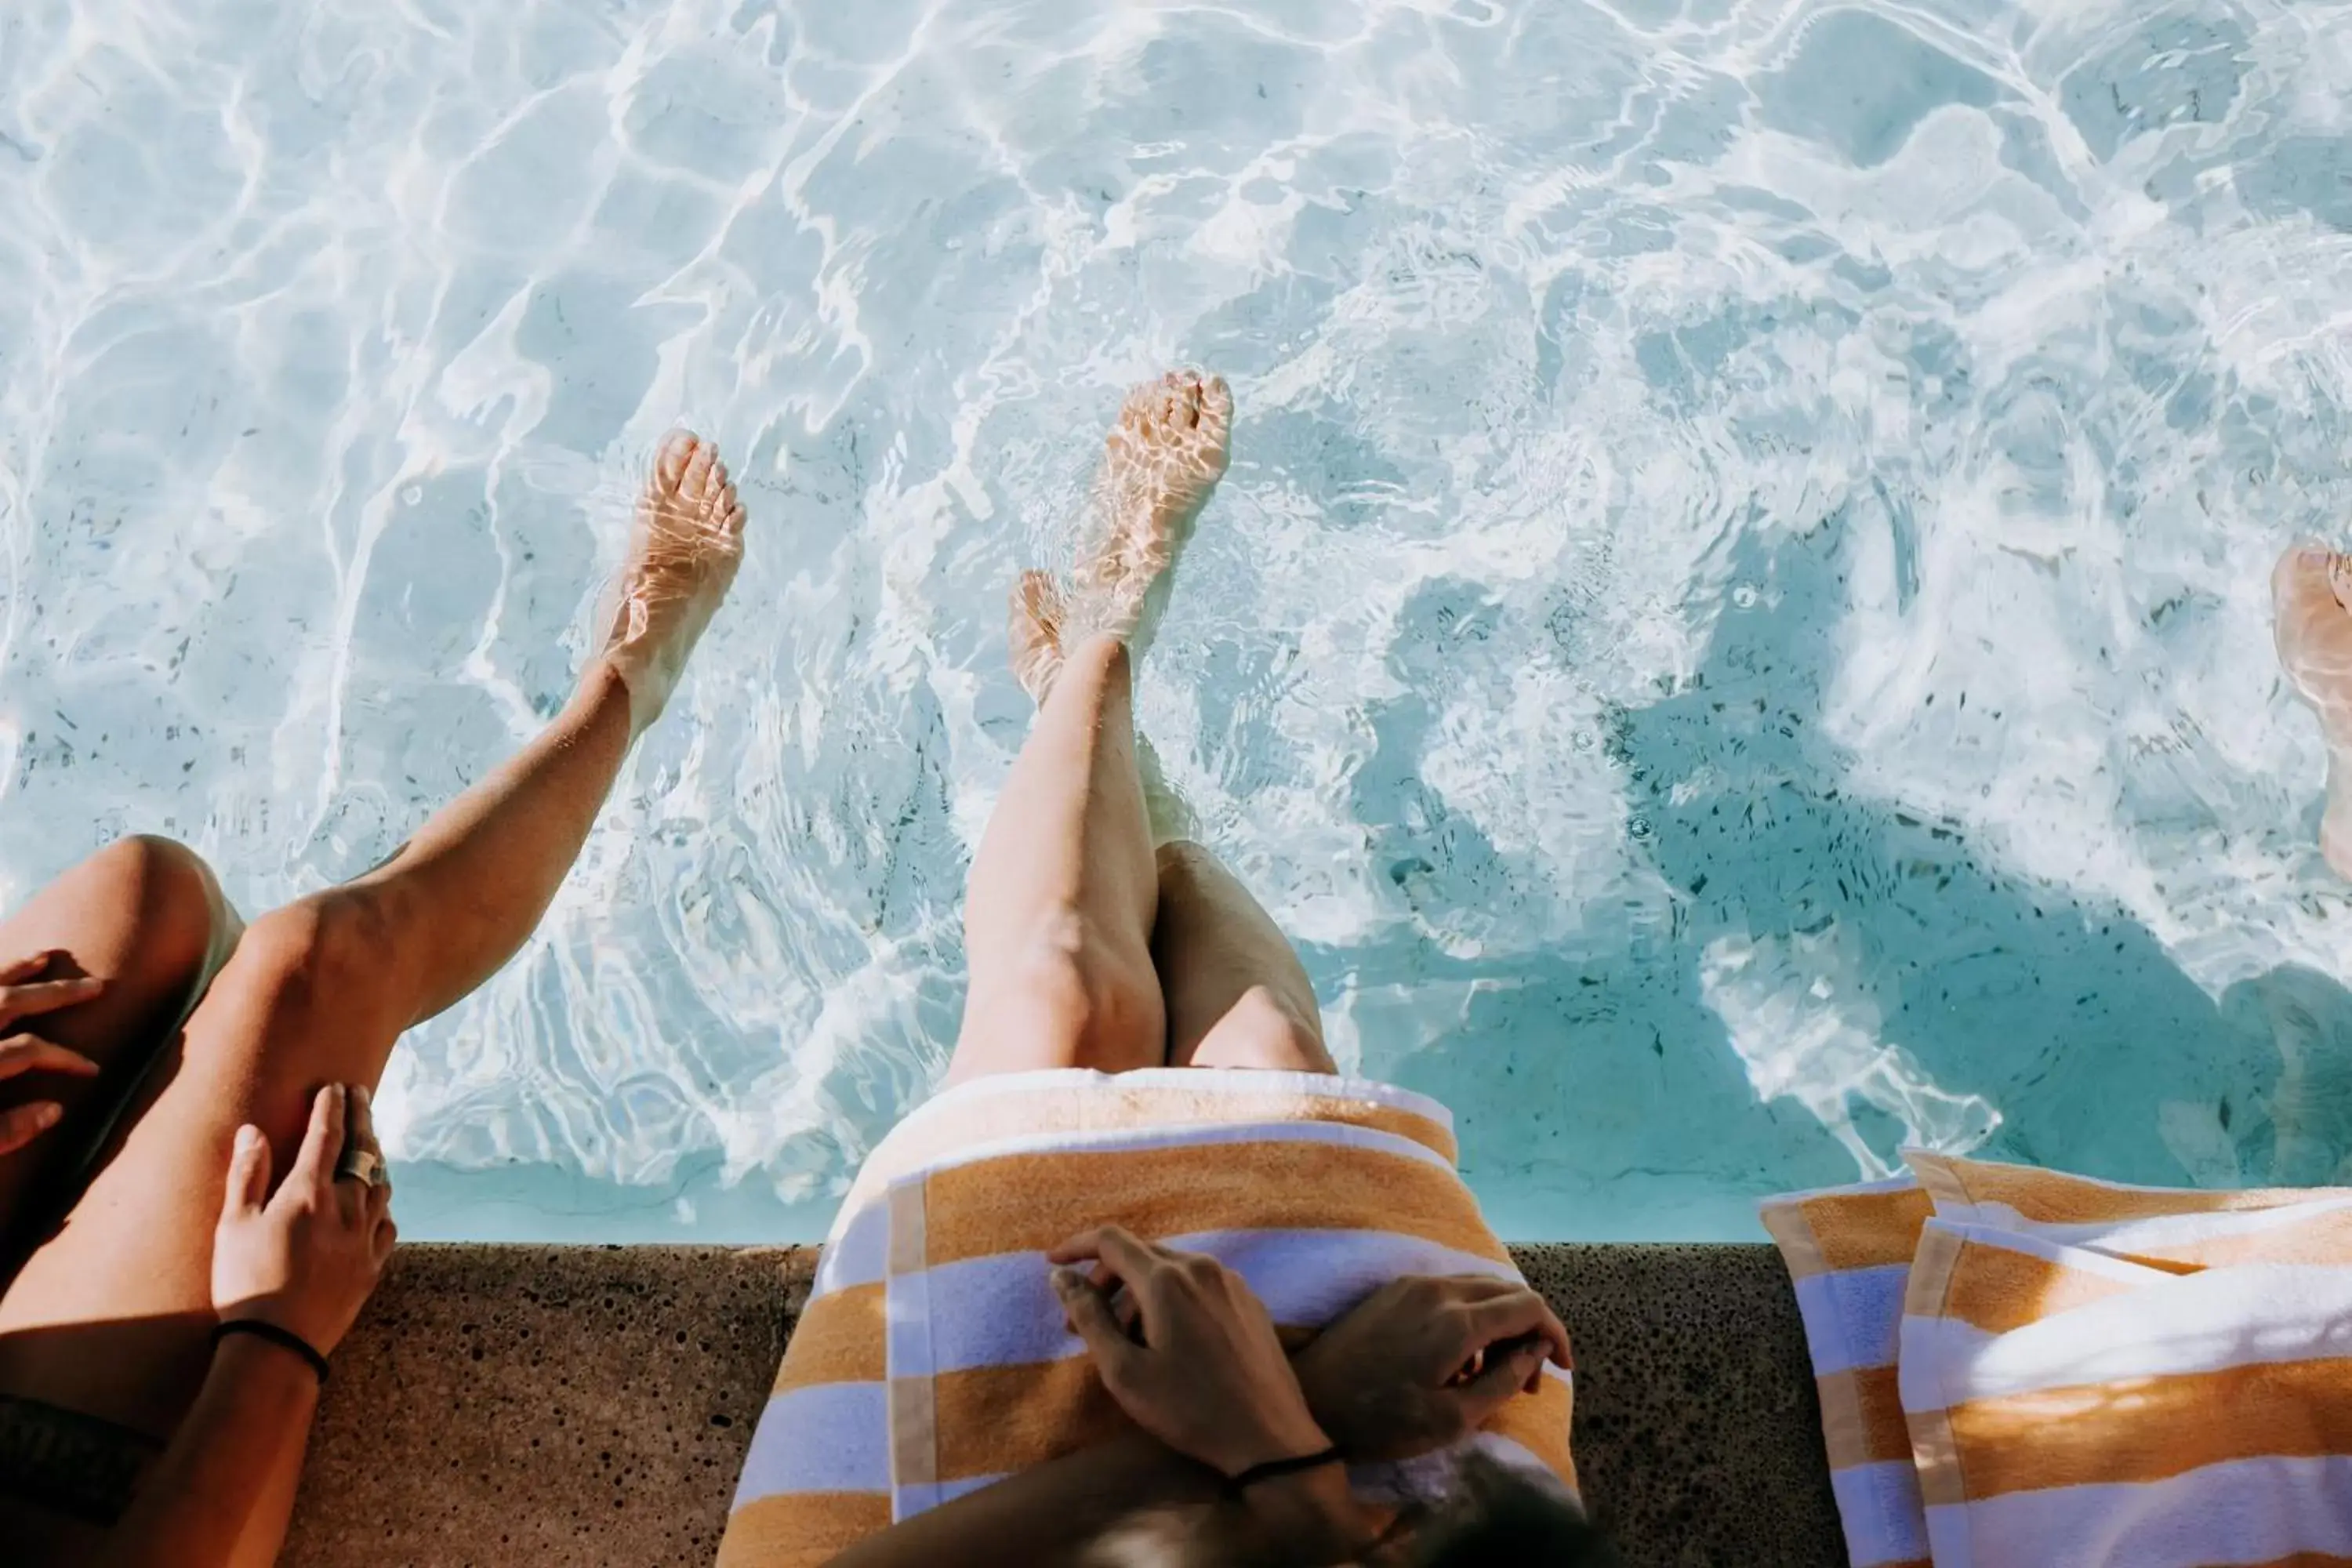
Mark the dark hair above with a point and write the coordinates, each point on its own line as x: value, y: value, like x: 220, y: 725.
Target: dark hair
x: 1497, y: 1518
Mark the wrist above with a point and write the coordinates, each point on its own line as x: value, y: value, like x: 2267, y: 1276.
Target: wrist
x: 1309, y: 1516
x: 251, y: 1361
x: 1298, y: 1440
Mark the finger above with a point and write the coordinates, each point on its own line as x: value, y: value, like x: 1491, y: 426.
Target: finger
x: 20, y: 969
x: 1128, y: 1255
x: 378, y: 1203
x: 249, y: 1173
x: 48, y: 995
x: 1110, y: 1243
x: 386, y: 1237
x: 1092, y: 1321
x: 322, y: 1144
x: 30, y: 1052
x: 21, y: 1124
x: 1520, y: 1312
x: 1083, y: 1247
x: 1504, y: 1377
x: 362, y: 1119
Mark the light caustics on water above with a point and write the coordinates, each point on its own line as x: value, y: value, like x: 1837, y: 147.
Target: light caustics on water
x: 1737, y: 631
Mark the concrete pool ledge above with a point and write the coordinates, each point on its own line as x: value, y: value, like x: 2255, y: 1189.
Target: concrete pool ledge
x: 506, y: 1405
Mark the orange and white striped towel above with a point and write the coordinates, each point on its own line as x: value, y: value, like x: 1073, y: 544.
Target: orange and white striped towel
x: 2069, y: 1408
x: 1852, y: 1253
x: 1848, y: 1253
x: 932, y: 1358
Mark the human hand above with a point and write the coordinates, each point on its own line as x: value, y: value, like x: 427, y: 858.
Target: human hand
x: 1422, y: 1363
x: 307, y: 1257
x: 23, y: 995
x: 1202, y: 1370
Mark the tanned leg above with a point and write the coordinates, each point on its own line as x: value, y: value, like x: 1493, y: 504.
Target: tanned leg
x: 1058, y: 917
x: 110, y: 1317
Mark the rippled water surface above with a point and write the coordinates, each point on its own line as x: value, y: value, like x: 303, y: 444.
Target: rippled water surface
x: 1736, y: 633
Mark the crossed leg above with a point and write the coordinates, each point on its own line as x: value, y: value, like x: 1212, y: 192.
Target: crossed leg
x: 1096, y: 937
x: 109, y: 1315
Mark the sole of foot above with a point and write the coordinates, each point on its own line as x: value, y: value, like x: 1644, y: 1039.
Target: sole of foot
x: 2312, y: 589
x: 1162, y: 461
x: 685, y: 540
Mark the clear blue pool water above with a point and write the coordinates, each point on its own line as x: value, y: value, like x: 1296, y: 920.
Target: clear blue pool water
x: 1737, y: 634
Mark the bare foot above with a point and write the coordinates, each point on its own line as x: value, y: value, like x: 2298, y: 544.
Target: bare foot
x: 684, y: 546
x: 1161, y: 463
x: 1036, y: 633
x: 2311, y: 588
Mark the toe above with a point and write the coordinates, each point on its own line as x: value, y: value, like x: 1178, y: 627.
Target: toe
x: 1216, y: 407
x: 678, y: 449
x: 1038, y: 600
x: 704, y: 473
x: 2313, y: 630
x: 1187, y: 401
x: 1141, y: 400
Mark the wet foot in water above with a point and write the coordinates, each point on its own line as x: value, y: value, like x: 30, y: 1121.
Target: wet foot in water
x: 1162, y: 459
x: 2312, y: 588
x: 684, y: 545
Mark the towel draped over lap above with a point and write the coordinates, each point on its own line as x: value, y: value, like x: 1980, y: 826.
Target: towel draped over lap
x: 933, y: 1358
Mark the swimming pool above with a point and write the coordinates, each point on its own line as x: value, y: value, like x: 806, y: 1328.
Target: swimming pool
x: 1737, y: 631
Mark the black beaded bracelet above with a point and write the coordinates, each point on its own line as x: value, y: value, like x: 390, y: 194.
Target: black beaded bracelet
x: 276, y: 1336
x: 1274, y: 1468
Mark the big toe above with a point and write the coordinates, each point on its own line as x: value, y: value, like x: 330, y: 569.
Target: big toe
x: 1216, y: 407
x: 2304, y: 595
x: 678, y: 450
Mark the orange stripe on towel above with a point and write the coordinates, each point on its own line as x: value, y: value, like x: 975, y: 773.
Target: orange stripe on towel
x: 2000, y: 1289
x: 2151, y: 1428
x: 996, y: 1420
x: 1031, y: 1203
x: 2050, y: 1197
x: 839, y: 1339
x: 1862, y: 1417
x: 800, y: 1529
x: 1859, y: 1230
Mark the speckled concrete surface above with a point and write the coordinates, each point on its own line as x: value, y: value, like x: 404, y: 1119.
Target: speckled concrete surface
x: 505, y: 1405
x: 1697, y: 1437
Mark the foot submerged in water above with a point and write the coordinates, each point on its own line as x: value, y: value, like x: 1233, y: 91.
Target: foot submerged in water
x: 685, y: 544
x: 2312, y: 589
x: 1161, y: 463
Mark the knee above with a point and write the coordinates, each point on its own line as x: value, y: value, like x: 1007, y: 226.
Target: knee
x: 1278, y: 1026
x: 1104, y: 999
x: 1182, y: 861
x: 181, y: 912
x: 322, y: 950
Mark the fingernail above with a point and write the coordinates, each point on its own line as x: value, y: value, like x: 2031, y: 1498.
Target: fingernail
x: 46, y: 1114
x: 360, y: 1094
x: 248, y: 1136
x: 1065, y: 1280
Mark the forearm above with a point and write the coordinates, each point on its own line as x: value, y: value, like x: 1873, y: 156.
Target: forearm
x: 236, y: 1456
x: 1048, y: 1516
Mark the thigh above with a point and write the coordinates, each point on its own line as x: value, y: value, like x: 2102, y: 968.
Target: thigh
x: 146, y: 916
x: 111, y: 1315
x: 1237, y: 995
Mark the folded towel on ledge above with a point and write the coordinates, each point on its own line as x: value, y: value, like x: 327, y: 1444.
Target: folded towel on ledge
x: 933, y: 1359
x: 2024, y: 1367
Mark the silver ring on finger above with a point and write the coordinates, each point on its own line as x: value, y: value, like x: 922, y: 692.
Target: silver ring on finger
x: 363, y: 1165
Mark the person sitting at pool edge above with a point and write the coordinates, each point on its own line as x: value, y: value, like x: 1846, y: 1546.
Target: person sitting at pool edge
x: 1143, y: 1158
x: 159, y: 1062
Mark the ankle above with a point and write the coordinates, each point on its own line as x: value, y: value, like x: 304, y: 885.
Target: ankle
x: 604, y: 687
